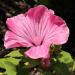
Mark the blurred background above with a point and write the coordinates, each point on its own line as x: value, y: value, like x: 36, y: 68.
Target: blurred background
x: 62, y: 8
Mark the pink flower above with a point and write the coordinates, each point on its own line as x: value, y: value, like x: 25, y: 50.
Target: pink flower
x: 38, y: 28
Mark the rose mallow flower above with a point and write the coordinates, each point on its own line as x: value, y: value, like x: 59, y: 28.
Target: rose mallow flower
x: 38, y: 29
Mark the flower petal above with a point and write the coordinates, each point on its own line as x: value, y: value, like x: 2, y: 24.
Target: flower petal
x: 38, y: 52
x: 37, y: 12
x: 39, y: 16
x: 58, y: 32
x: 21, y: 26
x: 12, y: 40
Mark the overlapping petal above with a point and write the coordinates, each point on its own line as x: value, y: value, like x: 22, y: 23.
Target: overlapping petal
x: 20, y: 25
x: 36, y: 52
x: 58, y: 32
x: 12, y: 40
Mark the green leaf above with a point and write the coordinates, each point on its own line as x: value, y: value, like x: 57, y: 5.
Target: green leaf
x: 9, y: 64
x: 1, y: 64
x: 15, y: 53
x: 10, y: 68
x: 74, y: 66
x: 1, y: 73
x: 10, y: 59
x: 65, y: 57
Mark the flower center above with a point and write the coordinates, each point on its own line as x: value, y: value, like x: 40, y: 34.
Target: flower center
x: 37, y: 41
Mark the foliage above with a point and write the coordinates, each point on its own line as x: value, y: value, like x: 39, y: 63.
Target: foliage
x: 14, y: 63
